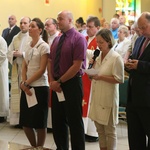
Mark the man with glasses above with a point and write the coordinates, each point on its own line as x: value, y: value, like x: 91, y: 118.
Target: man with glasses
x: 93, y: 25
x: 52, y: 29
x: 138, y: 102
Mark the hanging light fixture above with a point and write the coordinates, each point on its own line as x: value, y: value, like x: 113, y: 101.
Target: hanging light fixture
x: 47, y: 2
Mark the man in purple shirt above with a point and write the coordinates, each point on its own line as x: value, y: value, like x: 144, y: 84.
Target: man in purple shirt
x: 68, y: 113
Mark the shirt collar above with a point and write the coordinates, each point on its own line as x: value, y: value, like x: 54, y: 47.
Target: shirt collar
x: 69, y: 32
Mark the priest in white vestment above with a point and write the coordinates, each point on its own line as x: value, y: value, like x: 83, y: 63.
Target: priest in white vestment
x: 4, y: 90
x: 15, y: 57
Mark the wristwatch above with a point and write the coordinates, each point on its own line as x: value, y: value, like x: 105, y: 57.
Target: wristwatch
x: 27, y: 85
x: 59, y: 81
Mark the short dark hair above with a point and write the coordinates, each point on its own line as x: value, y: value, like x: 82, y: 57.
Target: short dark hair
x: 95, y: 20
x: 116, y: 16
x: 80, y: 21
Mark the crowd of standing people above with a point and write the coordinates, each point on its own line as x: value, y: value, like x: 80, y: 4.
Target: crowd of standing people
x: 44, y: 84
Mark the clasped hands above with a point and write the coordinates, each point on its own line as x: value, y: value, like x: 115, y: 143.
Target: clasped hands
x: 95, y: 77
x: 16, y: 53
x: 131, y: 64
x: 55, y: 86
x: 25, y: 88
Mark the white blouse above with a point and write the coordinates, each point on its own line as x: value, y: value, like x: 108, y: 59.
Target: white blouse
x: 122, y: 47
x: 33, y: 57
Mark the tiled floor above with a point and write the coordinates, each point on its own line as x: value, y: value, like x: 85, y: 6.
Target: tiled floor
x: 11, y: 134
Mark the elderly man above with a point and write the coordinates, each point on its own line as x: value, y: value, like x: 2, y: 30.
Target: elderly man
x: 51, y: 27
x: 138, y: 104
x: 114, y: 23
x: 15, y: 57
x: 66, y: 80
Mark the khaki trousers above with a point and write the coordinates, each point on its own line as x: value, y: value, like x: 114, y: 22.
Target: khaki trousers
x: 107, y: 134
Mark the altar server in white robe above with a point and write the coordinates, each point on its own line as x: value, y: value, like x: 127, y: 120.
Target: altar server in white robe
x: 4, y: 90
x: 15, y: 57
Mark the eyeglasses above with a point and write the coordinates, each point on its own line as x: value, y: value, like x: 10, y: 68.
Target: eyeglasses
x: 90, y: 27
x: 49, y: 24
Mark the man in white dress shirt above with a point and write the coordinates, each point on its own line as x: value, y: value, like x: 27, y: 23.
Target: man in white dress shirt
x: 52, y: 29
x: 15, y: 56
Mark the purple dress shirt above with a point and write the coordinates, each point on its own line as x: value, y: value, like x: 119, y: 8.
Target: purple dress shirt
x: 74, y: 48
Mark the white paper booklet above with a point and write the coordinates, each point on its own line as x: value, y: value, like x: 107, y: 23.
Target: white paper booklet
x: 91, y: 71
x: 31, y: 100
x: 60, y: 96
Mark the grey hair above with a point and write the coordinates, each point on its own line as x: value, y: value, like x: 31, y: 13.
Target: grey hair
x: 124, y: 28
x: 115, y: 19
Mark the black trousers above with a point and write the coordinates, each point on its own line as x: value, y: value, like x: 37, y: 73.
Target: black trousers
x: 138, y: 120
x: 68, y: 114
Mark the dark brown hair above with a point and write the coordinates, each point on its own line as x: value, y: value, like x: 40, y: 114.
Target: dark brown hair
x: 40, y: 25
